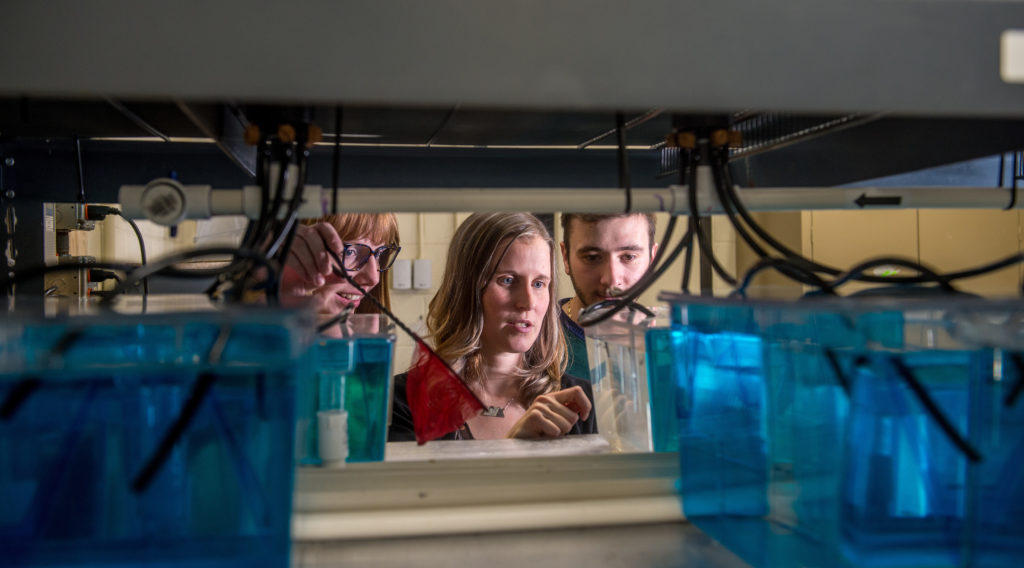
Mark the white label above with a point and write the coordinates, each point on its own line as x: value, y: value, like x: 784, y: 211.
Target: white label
x: 1011, y: 56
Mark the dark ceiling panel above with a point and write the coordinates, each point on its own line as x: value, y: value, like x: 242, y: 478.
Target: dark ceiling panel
x: 779, y: 149
x: 479, y: 127
x: 386, y: 125
x: 92, y: 118
x: 877, y: 148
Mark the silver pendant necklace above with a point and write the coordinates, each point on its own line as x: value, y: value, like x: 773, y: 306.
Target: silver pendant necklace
x: 495, y: 411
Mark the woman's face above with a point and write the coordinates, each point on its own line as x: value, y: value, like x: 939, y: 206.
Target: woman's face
x: 337, y: 292
x: 516, y: 298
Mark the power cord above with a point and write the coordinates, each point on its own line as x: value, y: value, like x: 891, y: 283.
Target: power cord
x: 100, y: 212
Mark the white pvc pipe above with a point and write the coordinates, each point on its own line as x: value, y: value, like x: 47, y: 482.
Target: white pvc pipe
x: 672, y: 199
x: 539, y: 200
x: 803, y: 198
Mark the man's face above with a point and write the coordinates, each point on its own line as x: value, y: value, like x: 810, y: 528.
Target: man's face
x: 607, y: 257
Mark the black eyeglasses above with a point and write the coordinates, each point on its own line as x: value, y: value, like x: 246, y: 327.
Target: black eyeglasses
x: 356, y: 255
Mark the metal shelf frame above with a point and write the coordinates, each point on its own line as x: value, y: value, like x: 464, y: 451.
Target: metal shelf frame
x: 913, y: 57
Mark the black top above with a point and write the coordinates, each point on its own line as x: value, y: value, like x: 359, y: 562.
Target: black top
x: 401, y: 429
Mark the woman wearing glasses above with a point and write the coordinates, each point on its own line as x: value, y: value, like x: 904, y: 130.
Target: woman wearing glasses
x: 495, y: 321
x: 367, y: 243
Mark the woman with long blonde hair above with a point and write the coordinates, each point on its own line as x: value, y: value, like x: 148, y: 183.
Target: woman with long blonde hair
x: 494, y: 320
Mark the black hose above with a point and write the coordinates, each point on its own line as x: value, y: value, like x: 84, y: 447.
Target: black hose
x: 142, y: 254
x: 623, y: 154
x: 705, y: 246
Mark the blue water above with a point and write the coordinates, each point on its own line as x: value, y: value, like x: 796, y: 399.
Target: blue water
x: 354, y: 374
x: 802, y: 442
x: 86, y: 428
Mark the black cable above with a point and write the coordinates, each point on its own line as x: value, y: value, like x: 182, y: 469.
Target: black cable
x: 269, y: 203
x: 78, y: 169
x: 790, y: 269
x: 688, y: 261
x: 43, y: 269
x: 160, y: 265
x: 810, y: 265
x: 254, y: 227
x: 833, y: 362
x: 797, y: 271
x: 730, y: 192
x: 195, y: 398
x: 17, y: 395
x: 793, y: 270
x: 817, y: 267
x: 933, y: 409
x: 274, y: 224
x: 271, y: 234
x: 623, y: 153
x: 978, y: 271
x: 99, y: 275
x: 705, y: 246
x: 787, y: 268
x: 200, y: 273
x: 340, y: 318
x: 25, y: 388
x: 1018, y: 387
x: 927, y: 274
x: 142, y: 255
x: 287, y: 230
x: 336, y: 169
x: 719, y: 162
x: 197, y: 394
x: 283, y: 243
x: 275, y: 192
x: 806, y: 264
x: 598, y: 306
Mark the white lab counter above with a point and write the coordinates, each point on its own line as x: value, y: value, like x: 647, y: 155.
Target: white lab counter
x: 503, y: 503
x: 628, y: 546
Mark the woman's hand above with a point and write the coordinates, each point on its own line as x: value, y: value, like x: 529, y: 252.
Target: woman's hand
x: 308, y: 263
x: 552, y: 415
x: 308, y: 255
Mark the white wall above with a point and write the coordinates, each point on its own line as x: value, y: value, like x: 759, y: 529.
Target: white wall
x: 947, y: 240
x: 424, y: 236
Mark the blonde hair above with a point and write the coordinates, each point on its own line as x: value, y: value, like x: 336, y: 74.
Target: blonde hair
x: 455, y: 317
x: 375, y: 227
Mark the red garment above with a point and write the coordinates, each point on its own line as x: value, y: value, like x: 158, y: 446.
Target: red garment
x: 439, y: 400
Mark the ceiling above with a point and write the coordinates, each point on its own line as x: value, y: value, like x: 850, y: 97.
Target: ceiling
x: 455, y: 126
x: 777, y: 148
